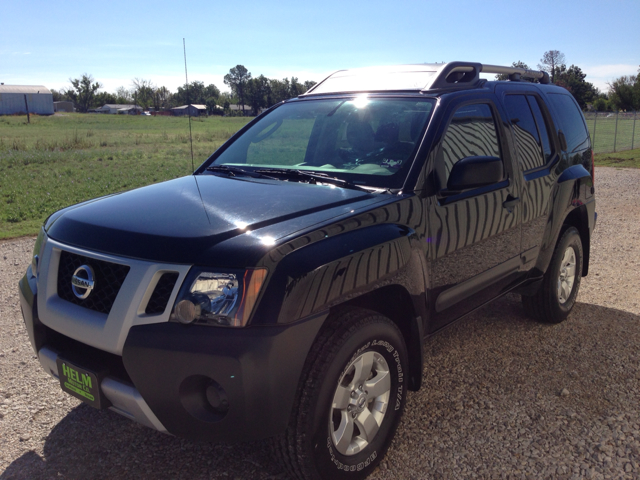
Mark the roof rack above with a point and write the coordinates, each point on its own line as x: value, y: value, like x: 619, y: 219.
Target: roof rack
x: 457, y: 74
x: 422, y: 77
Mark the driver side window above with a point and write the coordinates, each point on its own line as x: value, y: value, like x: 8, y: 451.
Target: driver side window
x: 471, y: 132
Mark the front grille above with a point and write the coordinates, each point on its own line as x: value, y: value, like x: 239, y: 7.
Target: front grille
x: 160, y: 296
x: 109, y: 279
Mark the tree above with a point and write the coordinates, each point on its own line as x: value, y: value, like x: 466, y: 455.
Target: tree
x: 237, y: 79
x: 622, y: 90
x: 308, y: 84
x: 143, y: 92
x: 103, y: 98
x: 123, y: 96
x: 85, y: 89
x: 518, y: 64
x: 551, y: 59
x: 257, y: 93
x: 161, y: 98
x: 573, y: 79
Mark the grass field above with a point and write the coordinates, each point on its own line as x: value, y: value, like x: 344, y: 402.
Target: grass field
x: 604, y: 136
x: 60, y: 160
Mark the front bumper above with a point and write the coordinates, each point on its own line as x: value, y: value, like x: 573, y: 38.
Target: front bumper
x: 162, y: 376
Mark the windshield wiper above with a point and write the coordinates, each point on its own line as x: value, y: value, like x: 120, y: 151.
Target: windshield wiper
x: 235, y: 171
x: 314, y: 178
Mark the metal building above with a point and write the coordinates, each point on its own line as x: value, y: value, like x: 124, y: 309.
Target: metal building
x: 38, y: 98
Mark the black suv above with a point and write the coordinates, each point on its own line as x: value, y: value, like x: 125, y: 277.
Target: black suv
x: 285, y: 289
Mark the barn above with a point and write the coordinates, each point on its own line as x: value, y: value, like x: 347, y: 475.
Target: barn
x: 38, y: 98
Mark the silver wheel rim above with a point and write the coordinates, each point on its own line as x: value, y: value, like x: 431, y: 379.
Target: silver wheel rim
x: 567, y: 275
x: 360, y: 403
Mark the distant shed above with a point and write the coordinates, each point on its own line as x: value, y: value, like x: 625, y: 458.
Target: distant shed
x: 193, y: 110
x: 39, y: 99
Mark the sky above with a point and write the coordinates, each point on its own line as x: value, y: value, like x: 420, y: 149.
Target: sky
x: 47, y: 43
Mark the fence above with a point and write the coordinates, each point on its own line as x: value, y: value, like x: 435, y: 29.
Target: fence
x: 613, y: 132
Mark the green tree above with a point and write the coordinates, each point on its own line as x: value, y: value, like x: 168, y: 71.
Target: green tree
x: 551, y: 59
x: 103, y: 98
x: 258, y: 93
x: 624, y: 93
x: 573, y: 79
x: 237, y: 80
x: 308, y: 84
x: 161, y: 98
x: 143, y: 92
x: 123, y: 96
x: 85, y: 89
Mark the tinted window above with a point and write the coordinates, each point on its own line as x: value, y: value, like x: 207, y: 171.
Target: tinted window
x: 571, y: 121
x: 534, y: 103
x: 472, y: 132
x: 526, y: 131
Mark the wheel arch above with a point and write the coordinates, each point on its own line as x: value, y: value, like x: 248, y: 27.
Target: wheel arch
x: 395, y: 303
x: 579, y: 219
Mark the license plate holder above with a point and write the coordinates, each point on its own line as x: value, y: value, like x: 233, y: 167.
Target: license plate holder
x: 81, y: 383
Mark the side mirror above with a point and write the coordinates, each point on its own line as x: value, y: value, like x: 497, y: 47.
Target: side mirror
x: 475, y: 172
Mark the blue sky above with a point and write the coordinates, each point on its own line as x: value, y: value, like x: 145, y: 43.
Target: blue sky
x: 46, y: 43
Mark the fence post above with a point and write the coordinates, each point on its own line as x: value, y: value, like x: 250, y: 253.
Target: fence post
x: 595, y: 119
x: 615, y: 132
x: 633, y: 132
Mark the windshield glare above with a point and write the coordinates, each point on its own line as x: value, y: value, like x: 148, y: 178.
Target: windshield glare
x: 366, y: 141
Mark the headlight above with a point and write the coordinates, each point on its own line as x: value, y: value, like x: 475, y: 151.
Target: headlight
x: 218, y: 298
x: 37, y: 249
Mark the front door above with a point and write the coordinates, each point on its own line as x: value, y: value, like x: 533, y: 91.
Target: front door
x: 475, y: 235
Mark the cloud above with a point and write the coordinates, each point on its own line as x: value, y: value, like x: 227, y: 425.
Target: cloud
x: 601, y: 75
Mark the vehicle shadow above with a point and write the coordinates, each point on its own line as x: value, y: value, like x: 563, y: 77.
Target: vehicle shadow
x: 508, y: 359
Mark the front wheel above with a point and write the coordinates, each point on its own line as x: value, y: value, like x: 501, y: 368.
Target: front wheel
x: 350, y: 399
x: 553, y: 302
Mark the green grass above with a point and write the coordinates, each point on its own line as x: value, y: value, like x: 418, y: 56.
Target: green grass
x: 629, y: 159
x: 57, y: 161
x: 603, y: 131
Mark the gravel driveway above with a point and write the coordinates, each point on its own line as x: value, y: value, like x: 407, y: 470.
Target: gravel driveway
x: 503, y: 397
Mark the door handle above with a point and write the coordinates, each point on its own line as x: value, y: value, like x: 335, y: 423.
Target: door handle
x: 510, y: 202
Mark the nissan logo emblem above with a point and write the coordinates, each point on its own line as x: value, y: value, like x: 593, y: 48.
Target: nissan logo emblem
x: 82, y: 281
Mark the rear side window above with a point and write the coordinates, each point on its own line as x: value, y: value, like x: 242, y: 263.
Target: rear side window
x: 571, y: 121
x: 472, y: 132
x: 526, y: 131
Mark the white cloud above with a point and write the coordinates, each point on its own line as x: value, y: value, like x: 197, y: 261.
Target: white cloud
x: 600, y: 75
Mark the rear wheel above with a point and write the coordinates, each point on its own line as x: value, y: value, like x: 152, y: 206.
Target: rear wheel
x: 553, y: 302
x: 350, y: 399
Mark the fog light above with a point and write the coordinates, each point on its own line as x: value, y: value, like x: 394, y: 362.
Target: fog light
x: 217, y: 398
x: 204, y: 398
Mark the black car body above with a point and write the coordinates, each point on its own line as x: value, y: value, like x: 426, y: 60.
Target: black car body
x: 465, y: 192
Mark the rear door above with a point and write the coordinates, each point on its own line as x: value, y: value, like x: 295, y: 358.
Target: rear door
x: 537, y: 154
x: 474, y: 239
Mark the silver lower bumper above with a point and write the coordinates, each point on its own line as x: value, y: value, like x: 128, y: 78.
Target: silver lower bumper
x: 125, y: 399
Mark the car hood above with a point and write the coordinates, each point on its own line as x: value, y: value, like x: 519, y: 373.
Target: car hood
x: 179, y: 221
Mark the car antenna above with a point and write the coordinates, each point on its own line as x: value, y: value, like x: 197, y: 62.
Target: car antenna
x: 184, y: 48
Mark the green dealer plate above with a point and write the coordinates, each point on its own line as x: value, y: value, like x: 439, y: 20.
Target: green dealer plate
x: 79, y: 382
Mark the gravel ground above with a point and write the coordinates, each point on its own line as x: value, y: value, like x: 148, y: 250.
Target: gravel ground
x: 503, y: 397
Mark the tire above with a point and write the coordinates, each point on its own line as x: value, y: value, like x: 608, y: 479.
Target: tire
x: 350, y: 399
x: 553, y: 302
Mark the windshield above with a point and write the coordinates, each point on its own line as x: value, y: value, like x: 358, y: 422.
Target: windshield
x: 365, y: 141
